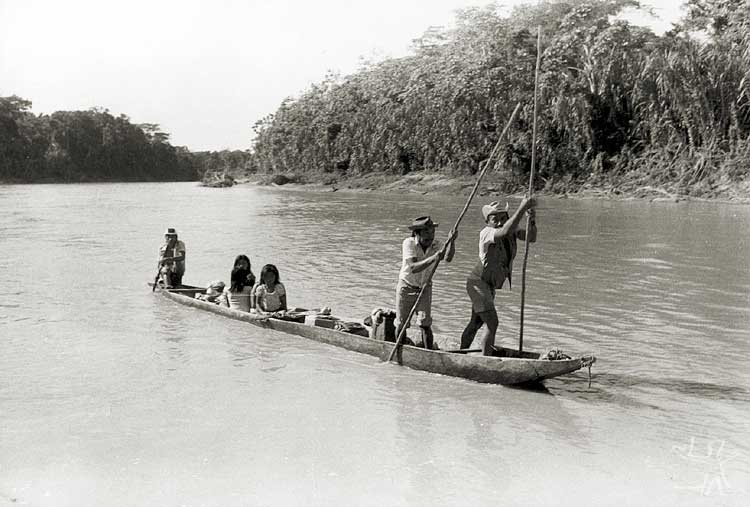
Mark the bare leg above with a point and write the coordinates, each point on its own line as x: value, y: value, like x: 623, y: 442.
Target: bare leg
x: 166, y: 278
x: 427, y: 337
x: 398, y: 331
x: 404, y: 302
x: 490, y: 319
x: 467, y: 337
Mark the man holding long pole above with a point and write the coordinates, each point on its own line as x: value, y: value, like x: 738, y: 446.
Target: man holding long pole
x: 171, y: 259
x: 497, y: 249
x: 433, y: 263
x: 419, y: 252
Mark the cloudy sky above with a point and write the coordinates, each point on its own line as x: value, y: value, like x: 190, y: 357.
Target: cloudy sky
x: 206, y: 70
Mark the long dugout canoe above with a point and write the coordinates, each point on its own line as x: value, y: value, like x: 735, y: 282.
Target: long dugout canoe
x: 499, y: 369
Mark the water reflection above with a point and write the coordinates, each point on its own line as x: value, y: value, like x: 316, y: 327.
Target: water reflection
x: 706, y: 390
x: 478, y: 426
x: 172, y: 332
x: 532, y: 387
x: 416, y: 433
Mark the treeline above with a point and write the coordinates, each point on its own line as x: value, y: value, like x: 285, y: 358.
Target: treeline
x: 239, y: 163
x: 617, y: 102
x: 80, y: 146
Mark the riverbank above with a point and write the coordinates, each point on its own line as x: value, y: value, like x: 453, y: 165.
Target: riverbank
x: 494, y: 185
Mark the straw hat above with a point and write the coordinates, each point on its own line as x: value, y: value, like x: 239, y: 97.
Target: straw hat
x: 422, y: 223
x: 494, y: 208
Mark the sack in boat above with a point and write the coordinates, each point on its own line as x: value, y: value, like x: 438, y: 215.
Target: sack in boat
x: 555, y: 355
x: 289, y: 315
x: 326, y: 321
x: 213, y: 292
x: 351, y: 327
x: 382, y: 322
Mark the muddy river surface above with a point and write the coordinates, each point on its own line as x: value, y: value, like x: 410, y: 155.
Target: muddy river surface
x: 110, y: 395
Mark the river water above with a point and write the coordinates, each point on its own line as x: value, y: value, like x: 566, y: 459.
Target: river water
x: 111, y: 395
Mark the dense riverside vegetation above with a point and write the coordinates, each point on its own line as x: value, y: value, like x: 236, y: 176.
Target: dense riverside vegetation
x: 93, y: 145
x: 620, y: 107
x: 76, y: 146
x: 238, y: 162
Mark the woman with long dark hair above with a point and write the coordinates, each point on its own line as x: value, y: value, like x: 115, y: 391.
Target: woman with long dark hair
x: 237, y: 295
x: 270, y: 294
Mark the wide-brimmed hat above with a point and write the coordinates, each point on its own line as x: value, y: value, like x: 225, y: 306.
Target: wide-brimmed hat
x: 422, y: 223
x: 494, y: 208
x: 171, y: 232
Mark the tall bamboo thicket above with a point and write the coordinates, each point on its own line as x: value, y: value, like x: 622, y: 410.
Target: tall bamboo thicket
x: 617, y: 103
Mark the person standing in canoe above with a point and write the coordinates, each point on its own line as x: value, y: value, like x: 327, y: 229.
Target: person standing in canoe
x: 497, y: 249
x: 419, y: 252
x: 172, y: 259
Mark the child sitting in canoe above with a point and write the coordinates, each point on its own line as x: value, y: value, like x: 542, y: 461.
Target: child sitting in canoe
x: 269, y: 295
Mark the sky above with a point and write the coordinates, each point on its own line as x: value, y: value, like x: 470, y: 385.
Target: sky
x: 207, y: 70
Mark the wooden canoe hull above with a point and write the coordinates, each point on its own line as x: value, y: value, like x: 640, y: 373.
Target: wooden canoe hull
x: 493, y: 370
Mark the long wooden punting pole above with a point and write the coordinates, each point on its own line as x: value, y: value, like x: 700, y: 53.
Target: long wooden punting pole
x: 487, y: 165
x: 531, y: 182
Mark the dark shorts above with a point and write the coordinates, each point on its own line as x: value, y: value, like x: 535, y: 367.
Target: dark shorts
x: 174, y: 274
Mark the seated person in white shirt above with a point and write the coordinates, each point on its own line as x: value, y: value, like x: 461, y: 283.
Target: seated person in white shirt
x: 237, y: 296
x: 270, y: 294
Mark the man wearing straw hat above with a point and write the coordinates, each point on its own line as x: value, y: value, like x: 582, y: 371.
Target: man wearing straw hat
x: 497, y: 249
x: 419, y: 252
x: 172, y: 259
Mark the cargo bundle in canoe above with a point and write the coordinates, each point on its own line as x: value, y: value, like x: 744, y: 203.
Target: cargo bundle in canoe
x: 505, y: 367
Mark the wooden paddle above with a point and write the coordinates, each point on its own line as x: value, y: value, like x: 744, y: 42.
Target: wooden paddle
x: 531, y: 184
x: 487, y: 164
x: 158, y: 272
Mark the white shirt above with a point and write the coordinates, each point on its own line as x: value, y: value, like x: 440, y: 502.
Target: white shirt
x: 486, y: 238
x: 176, y: 251
x: 411, y: 249
x: 269, y: 301
x: 239, y: 300
x: 495, y: 258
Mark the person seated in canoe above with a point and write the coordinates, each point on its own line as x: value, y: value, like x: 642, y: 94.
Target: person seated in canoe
x: 419, y: 252
x: 237, y: 296
x: 243, y: 262
x: 497, y: 249
x: 172, y: 259
x: 269, y: 295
